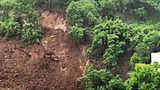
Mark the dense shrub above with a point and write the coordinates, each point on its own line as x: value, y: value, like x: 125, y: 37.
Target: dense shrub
x: 20, y: 19
x: 112, y: 8
x: 116, y: 84
x: 153, y: 40
x: 69, y: 1
x: 5, y: 8
x: 83, y: 13
x: 111, y: 39
x: 140, y: 13
x: 9, y: 27
x: 151, y: 3
x: 144, y: 49
x: 140, y: 30
x: 27, y: 3
x: 78, y: 34
x: 142, y: 9
x: 7, y: 4
x: 31, y: 33
x: 53, y: 4
x: 144, y: 77
x: 141, y: 55
x: 96, y: 78
x: 59, y: 5
x: 99, y: 44
x: 102, y: 80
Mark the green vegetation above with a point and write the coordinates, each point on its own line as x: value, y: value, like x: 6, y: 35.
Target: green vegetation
x: 144, y: 77
x: 112, y: 8
x: 78, y: 34
x: 115, y: 27
x: 102, y: 80
x: 19, y: 19
x: 56, y: 5
x: 111, y: 39
x: 83, y: 13
x: 98, y: 45
x: 143, y: 50
x: 110, y: 27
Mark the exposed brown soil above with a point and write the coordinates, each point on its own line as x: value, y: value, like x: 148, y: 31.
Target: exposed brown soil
x: 124, y: 65
x: 57, y: 63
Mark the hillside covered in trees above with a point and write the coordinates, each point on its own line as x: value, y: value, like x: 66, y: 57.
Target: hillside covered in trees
x: 79, y: 44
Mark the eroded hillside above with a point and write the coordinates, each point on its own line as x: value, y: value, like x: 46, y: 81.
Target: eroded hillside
x: 57, y: 63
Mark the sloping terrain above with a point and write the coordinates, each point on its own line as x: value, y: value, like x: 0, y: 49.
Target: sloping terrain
x: 57, y: 63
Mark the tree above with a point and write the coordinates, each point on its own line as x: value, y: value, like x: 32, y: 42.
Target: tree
x: 111, y: 39
x: 112, y: 8
x: 83, y: 13
x: 143, y: 50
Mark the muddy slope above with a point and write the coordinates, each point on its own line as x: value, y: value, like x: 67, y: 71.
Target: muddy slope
x: 57, y: 63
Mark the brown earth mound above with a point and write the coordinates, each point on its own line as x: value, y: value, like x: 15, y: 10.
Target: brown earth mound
x: 57, y: 63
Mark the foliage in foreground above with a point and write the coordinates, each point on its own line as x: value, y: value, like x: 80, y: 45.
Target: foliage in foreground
x: 144, y: 77
x: 102, y: 80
